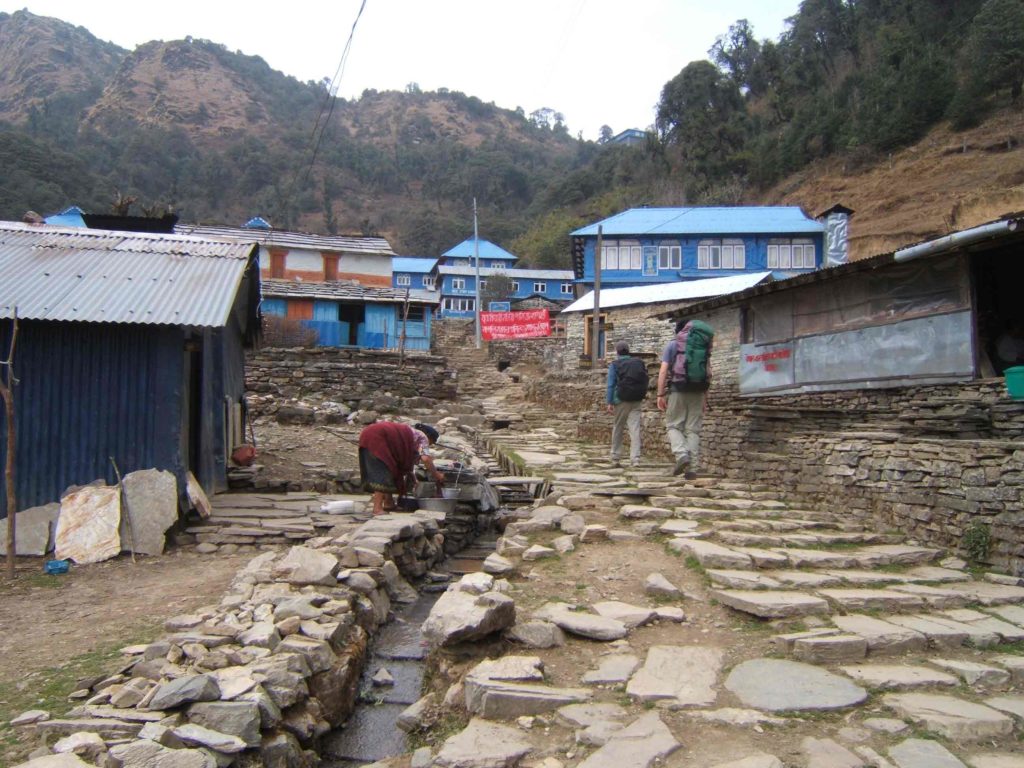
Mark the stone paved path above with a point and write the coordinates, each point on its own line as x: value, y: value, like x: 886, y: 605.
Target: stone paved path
x: 900, y: 641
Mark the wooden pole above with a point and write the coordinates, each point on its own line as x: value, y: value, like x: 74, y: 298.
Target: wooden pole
x: 7, y: 382
x: 401, y: 337
x: 595, y: 329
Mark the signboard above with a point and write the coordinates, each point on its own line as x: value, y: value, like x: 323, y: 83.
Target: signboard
x: 499, y: 306
x: 522, y: 324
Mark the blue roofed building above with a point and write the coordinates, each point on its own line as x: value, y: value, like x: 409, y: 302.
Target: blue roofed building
x: 491, y: 255
x: 414, y: 273
x: 644, y: 246
x: 458, y: 287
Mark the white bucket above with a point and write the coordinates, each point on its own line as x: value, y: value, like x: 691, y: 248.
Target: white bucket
x: 340, y: 507
x: 450, y: 493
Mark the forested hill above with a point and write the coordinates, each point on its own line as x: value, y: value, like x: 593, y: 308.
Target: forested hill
x: 905, y: 110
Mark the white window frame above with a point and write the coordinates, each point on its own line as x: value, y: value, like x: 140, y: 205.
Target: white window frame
x: 621, y: 256
x: 458, y: 283
x: 403, y: 280
x: 540, y: 287
x: 567, y: 288
x: 483, y: 283
x: 428, y: 282
x: 496, y: 265
x: 734, y: 254
x: 454, y: 304
x: 721, y: 254
x: 515, y: 286
x: 798, y: 253
x: 670, y: 257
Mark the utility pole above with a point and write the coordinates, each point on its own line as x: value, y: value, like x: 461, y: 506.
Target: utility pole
x: 476, y: 258
x: 595, y: 323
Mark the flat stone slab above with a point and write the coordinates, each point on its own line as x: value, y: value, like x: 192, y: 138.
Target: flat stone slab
x: 934, y: 597
x: 756, y: 760
x: 936, y: 635
x: 871, y: 599
x: 483, y: 745
x: 1013, y: 705
x: 882, y: 636
x: 769, y: 604
x: 923, y: 753
x: 996, y: 760
x: 499, y: 700
x: 583, y: 478
x: 672, y: 527
x: 888, y: 677
x: 642, y: 512
x: 1008, y: 632
x: 818, y: 558
x: 1012, y: 613
x: 638, y: 745
x: 583, y: 624
x: 979, y: 637
x: 711, y: 555
x: 777, y: 685
x: 742, y: 579
x: 683, y: 675
x: 33, y: 534
x: 904, y: 554
x: 583, y: 715
x: 826, y: 753
x: 630, y: 615
x: 764, y: 558
x: 990, y: 594
x: 830, y: 649
x: 973, y: 673
x: 613, y: 668
x: 950, y: 717
x: 805, y: 579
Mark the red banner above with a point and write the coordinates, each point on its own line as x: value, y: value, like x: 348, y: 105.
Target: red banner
x: 522, y: 324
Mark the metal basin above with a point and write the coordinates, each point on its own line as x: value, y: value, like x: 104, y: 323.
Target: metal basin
x: 438, y: 505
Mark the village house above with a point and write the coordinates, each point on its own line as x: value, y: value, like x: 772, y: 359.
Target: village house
x: 877, y: 382
x: 331, y: 290
x: 130, y: 349
x: 645, y: 246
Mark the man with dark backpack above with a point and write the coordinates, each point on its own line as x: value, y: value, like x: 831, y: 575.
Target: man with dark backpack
x: 627, y: 388
x: 683, y: 379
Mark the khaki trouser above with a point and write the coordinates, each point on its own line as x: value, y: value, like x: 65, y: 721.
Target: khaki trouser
x: 684, y: 415
x: 627, y: 415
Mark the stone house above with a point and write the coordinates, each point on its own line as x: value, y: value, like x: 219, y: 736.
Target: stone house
x: 872, y: 385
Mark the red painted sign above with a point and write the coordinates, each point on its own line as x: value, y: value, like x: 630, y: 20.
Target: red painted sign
x: 521, y: 324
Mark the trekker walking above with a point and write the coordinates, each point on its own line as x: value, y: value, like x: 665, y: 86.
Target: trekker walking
x: 683, y: 380
x: 388, y: 453
x: 627, y: 388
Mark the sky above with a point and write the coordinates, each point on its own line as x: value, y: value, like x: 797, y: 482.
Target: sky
x: 598, y: 62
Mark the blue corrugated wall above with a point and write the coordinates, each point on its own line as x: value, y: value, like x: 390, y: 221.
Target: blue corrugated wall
x: 89, y: 391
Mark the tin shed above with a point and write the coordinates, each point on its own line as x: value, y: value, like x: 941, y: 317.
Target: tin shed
x: 129, y: 347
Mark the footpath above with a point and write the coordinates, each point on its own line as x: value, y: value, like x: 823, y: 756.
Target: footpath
x: 711, y: 624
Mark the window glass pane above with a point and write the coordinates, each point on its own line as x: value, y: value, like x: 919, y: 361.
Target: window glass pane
x: 715, y: 256
x: 702, y: 257
x: 739, y: 257
x: 538, y: 287
x: 773, y: 257
x: 515, y: 285
x: 726, y: 257
x: 677, y: 257
x: 785, y: 260
x: 635, y: 257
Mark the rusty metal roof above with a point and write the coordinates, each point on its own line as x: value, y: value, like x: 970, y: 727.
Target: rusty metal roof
x: 280, y: 238
x: 84, y: 275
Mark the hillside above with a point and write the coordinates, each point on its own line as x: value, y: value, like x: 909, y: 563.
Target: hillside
x: 947, y: 181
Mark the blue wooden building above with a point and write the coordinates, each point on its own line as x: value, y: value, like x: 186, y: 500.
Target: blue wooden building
x: 414, y: 273
x: 491, y: 255
x: 458, y: 287
x: 130, y: 346
x: 345, y: 313
x: 643, y: 246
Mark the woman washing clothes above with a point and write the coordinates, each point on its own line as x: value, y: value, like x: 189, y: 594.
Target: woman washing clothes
x: 388, y: 453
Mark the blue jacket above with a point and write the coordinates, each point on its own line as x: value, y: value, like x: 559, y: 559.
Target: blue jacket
x: 611, y: 396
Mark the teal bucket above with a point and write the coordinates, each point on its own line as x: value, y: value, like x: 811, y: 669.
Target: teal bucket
x: 1015, y: 382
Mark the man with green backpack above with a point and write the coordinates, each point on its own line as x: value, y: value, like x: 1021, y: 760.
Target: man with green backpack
x: 683, y: 380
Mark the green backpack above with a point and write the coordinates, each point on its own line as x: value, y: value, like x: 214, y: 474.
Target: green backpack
x: 693, y: 349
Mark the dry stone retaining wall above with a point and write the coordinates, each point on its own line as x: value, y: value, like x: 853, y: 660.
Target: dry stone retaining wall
x: 346, y: 375
x: 937, y: 463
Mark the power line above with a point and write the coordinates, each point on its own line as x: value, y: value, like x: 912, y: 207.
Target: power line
x: 321, y: 123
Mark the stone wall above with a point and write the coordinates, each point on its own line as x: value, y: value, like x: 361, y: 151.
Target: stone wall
x: 646, y: 335
x: 346, y: 375
x: 935, y: 462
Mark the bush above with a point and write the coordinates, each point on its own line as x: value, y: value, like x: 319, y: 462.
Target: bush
x: 287, y: 332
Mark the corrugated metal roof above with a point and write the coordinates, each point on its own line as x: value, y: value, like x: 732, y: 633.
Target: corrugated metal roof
x: 737, y: 220
x: 486, y: 249
x: 663, y: 292
x: 51, y: 273
x: 347, y: 290
x: 408, y: 264
x: 284, y: 239
x: 512, y: 273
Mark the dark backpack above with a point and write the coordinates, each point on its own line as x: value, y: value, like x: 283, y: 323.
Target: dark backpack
x: 630, y: 379
x: 690, y: 371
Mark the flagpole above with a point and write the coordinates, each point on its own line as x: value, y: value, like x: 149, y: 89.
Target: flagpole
x: 476, y: 258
